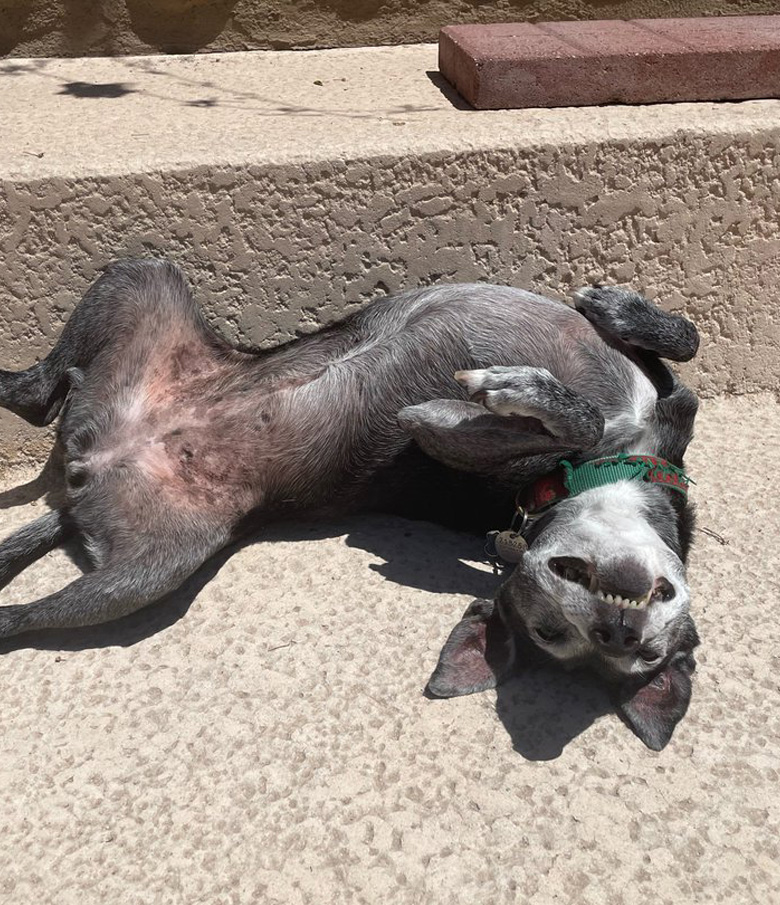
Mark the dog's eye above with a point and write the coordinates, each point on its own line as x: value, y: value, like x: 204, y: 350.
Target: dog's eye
x: 548, y: 635
x: 649, y: 656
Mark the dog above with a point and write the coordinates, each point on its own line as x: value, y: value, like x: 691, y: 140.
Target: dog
x: 175, y: 443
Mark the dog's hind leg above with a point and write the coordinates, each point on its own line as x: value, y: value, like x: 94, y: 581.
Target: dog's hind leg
x: 126, y: 295
x: 108, y: 593
x: 30, y: 543
x: 634, y: 320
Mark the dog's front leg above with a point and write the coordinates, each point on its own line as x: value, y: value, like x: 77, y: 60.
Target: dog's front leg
x: 634, y: 320
x: 512, y: 412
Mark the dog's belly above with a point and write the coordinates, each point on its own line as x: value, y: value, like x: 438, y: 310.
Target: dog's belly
x: 192, y: 465
x: 196, y: 436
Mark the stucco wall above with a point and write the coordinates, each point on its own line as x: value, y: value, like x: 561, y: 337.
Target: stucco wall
x: 108, y: 27
x: 274, y: 249
x: 356, y: 176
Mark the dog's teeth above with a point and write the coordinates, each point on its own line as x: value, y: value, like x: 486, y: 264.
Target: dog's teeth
x: 609, y: 598
x: 619, y: 600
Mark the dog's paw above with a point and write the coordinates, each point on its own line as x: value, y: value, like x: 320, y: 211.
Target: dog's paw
x: 610, y: 307
x: 631, y: 318
x: 505, y: 391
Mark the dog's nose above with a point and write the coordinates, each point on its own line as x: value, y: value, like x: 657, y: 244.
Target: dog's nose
x: 616, y: 640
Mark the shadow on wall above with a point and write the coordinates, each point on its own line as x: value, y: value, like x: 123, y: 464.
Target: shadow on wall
x: 81, y: 23
x: 179, y: 26
x: 14, y: 16
x: 78, y: 28
x: 170, y: 26
x: 354, y: 10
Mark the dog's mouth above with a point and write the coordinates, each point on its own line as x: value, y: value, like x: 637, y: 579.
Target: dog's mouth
x: 575, y: 570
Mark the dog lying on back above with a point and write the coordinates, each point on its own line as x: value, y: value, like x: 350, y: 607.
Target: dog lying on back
x: 176, y: 443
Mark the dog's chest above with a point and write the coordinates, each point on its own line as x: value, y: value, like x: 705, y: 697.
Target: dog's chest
x: 629, y: 420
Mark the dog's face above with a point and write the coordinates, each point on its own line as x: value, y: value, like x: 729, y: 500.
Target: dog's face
x: 599, y: 587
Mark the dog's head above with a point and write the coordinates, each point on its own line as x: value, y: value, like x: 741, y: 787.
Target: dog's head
x: 603, y: 586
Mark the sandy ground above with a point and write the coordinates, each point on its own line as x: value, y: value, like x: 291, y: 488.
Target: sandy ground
x: 263, y: 737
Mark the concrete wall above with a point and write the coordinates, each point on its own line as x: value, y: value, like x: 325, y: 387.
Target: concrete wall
x: 274, y: 249
x: 290, y: 220
x: 108, y: 27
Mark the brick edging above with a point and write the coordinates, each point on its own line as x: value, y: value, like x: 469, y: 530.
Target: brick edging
x: 641, y: 61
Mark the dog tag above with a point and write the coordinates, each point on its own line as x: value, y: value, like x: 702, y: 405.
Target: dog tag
x: 510, y: 546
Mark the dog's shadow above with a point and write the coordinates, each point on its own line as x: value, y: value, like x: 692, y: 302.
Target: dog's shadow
x: 48, y: 484
x: 542, y: 708
x: 545, y: 708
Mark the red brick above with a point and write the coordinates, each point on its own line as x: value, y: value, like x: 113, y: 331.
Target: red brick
x: 642, y: 61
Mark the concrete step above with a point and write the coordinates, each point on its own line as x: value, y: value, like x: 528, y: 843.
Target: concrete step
x: 294, y: 187
x: 261, y: 735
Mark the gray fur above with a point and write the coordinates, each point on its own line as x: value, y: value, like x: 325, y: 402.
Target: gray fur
x: 30, y: 543
x: 175, y: 442
x: 537, y: 414
x: 626, y: 315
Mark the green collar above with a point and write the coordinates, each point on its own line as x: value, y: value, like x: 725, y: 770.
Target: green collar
x: 569, y: 480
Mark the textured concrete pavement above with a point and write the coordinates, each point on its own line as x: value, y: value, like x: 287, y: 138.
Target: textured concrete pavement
x: 262, y: 737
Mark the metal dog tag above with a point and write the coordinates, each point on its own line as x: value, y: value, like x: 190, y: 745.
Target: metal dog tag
x: 510, y: 546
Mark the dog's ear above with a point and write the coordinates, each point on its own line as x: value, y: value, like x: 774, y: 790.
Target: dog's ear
x: 655, y: 708
x: 478, y: 654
